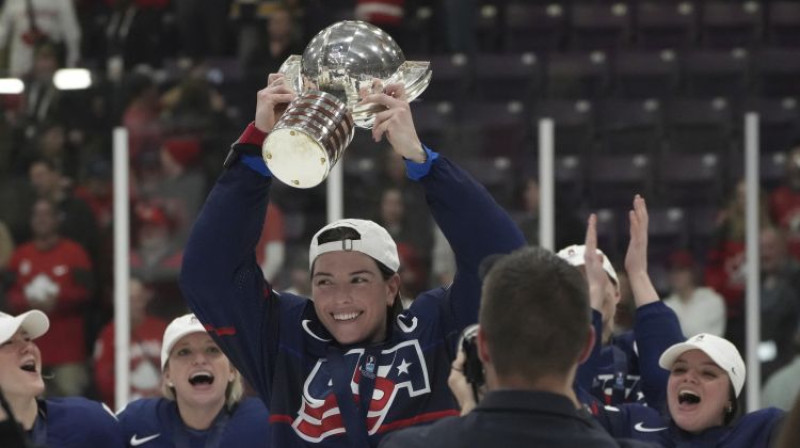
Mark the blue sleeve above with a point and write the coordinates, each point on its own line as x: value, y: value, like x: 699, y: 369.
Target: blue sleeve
x: 656, y: 328
x: 474, y: 225
x: 588, y: 370
x: 221, y: 280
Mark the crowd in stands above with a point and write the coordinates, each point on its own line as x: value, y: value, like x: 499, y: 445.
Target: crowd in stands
x: 179, y: 76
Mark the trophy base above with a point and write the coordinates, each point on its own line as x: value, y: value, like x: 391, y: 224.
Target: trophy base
x: 296, y: 158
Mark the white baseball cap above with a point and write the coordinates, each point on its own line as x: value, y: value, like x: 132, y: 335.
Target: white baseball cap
x: 178, y: 328
x: 720, y: 350
x: 574, y: 256
x: 375, y: 241
x: 34, y: 322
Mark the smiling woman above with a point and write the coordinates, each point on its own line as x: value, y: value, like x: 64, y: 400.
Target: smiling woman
x: 202, y: 404
x: 56, y: 423
x: 707, y: 375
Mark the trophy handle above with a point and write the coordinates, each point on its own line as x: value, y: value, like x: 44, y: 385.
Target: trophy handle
x: 292, y: 70
x: 414, y: 75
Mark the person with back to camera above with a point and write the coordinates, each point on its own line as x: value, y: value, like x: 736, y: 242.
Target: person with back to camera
x: 706, y: 376
x: 202, y: 405
x: 534, y: 330
x: 313, y: 360
x: 71, y: 422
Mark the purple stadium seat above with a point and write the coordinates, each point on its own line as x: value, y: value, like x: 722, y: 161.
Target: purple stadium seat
x: 699, y: 126
x: 779, y: 120
x: 709, y: 74
x: 600, y: 26
x: 728, y: 24
x: 783, y: 23
x: 494, y: 128
x: 662, y: 24
x: 646, y: 74
x: 574, y: 124
x: 629, y: 126
x: 690, y: 178
x: 614, y: 179
x: 507, y: 77
x: 534, y: 27
x: 434, y: 123
x: 577, y: 75
x: 777, y: 72
x: 451, y: 78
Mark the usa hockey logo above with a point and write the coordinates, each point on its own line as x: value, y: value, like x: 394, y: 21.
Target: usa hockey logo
x: 400, y: 367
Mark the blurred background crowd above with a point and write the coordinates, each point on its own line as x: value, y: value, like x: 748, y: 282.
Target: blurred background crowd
x: 647, y: 97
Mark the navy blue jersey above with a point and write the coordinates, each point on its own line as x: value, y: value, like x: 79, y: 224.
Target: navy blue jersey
x: 278, y: 343
x: 155, y: 423
x: 626, y: 370
x: 754, y: 430
x: 75, y: 422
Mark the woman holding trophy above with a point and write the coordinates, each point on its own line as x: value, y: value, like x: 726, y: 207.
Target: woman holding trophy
x: 348, y: 365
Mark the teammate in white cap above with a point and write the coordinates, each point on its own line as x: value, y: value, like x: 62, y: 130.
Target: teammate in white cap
x: 623, y: 367
x: 706, y: 377
x: 71, y: 422
x: 203, y: 405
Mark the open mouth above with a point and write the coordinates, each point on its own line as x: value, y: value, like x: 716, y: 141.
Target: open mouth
x: 688, y: 397
x: 346, y: 317
x: 29, y: 366
x: 201, y: 378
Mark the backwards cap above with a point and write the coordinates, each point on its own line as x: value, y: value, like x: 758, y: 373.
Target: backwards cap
x: 574, y: 256
x: 374, y: 241
x: 720, y: 350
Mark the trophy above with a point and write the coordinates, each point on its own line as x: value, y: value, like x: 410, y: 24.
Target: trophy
x: 341, y: 62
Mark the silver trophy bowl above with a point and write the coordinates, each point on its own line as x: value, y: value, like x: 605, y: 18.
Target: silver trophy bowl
x: 339, y: 65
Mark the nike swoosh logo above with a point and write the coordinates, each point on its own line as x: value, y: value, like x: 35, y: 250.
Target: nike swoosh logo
x: 640, y: 427
x: 136, y: 442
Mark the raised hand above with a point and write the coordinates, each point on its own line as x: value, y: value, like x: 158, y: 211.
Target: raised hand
x: 272, y: 101
x: 396, y: 122
x: 595, y: 274
x: 636, y: 258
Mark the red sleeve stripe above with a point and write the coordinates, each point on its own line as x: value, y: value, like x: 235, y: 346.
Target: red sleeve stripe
x: 221, y: 331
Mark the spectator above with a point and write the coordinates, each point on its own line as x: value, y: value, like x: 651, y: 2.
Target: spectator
x: 567, y: 227
x: 202, y: 403
x: 790, y: 434
x: 75, y: 218
x: 157, y: 255
x: 386, y: 14
x: 144, y: 351
x: 71, y: 422
x: 26, y: 25
x: 141, y: 116
x: 134, y: 31
x: 699, y: 309
x: 783, y: 387
x: 194, y: 107
x: 725, y: 266
x: 6, y: 245
x: 202, y: 28
x: 784, y: 201
x: 780, y: 301
x: 182, y: 186
x: 54, y: 274
x: 529, y: 356
x: 271, y: 247
x: 411, y: 241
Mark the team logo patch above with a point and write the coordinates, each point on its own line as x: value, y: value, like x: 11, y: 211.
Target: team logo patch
x: 400, y: 369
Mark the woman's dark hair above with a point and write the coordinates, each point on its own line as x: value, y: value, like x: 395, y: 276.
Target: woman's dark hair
x: 349, y: 233
x: 735, y: 410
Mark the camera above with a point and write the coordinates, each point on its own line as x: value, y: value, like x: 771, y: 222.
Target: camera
x: 473, y: 368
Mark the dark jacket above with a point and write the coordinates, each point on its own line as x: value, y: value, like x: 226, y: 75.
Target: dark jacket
x: 512, y: 418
